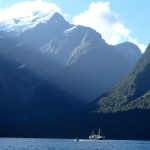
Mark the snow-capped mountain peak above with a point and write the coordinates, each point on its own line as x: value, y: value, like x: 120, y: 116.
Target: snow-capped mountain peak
x: 21, y: 20
x: 24, y: 23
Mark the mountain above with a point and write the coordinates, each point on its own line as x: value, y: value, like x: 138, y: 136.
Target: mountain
x: 75, y: 58
x: 20, y: 24
x: 51, y: 68
x: 92, y: 66
x: 130, y: 51
x: 123, y: 111
x: 130, y: 93
x: 29, y: 65
x: 42, y: 33
x: 49, y: 103
x: 10, y: 104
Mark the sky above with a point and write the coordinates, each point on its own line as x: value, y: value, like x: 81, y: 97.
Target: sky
x: 116, y: 20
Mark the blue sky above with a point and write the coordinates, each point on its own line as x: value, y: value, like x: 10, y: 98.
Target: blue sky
x: 116, y: 20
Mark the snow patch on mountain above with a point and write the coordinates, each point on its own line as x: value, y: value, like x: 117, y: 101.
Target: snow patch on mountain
x: 26, y: 15
x: 70, y: 29
x: 22, y: 66
x: 19, y: 44
x: 25, y: 23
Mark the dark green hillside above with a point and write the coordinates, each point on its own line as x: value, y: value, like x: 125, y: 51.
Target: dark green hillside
x: 132, y: 92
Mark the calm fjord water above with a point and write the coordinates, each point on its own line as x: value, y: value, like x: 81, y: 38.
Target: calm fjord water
x: 68, y: 144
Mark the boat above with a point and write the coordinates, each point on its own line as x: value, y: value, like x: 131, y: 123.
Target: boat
x: 77, y: 139
x: 98, y: 136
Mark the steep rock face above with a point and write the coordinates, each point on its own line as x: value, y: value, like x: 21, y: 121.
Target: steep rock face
x: 29, y: 65
x: 93, y: 66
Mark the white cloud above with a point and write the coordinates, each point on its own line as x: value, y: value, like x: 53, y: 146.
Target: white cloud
x: 109, y: 24
x: 27, y: 8
x: 142, y: 47
x: 1, y: 9
x: 66, y: 16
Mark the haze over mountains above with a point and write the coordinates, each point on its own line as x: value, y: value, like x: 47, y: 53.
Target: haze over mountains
x: 50, y: 68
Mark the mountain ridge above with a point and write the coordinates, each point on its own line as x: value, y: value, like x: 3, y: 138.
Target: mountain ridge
x: 134, y: 86
x: 57, y: 47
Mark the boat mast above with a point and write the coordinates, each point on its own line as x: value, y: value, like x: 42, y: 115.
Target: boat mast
x: 92, y: 132
x: 99, y: 131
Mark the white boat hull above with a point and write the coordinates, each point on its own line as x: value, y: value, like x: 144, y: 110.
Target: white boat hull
x: 96, y: 137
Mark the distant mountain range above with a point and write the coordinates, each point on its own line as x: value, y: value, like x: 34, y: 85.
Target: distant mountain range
x: 51, y: 68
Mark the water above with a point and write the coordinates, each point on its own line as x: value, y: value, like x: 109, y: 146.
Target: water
x: 65, y: 144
